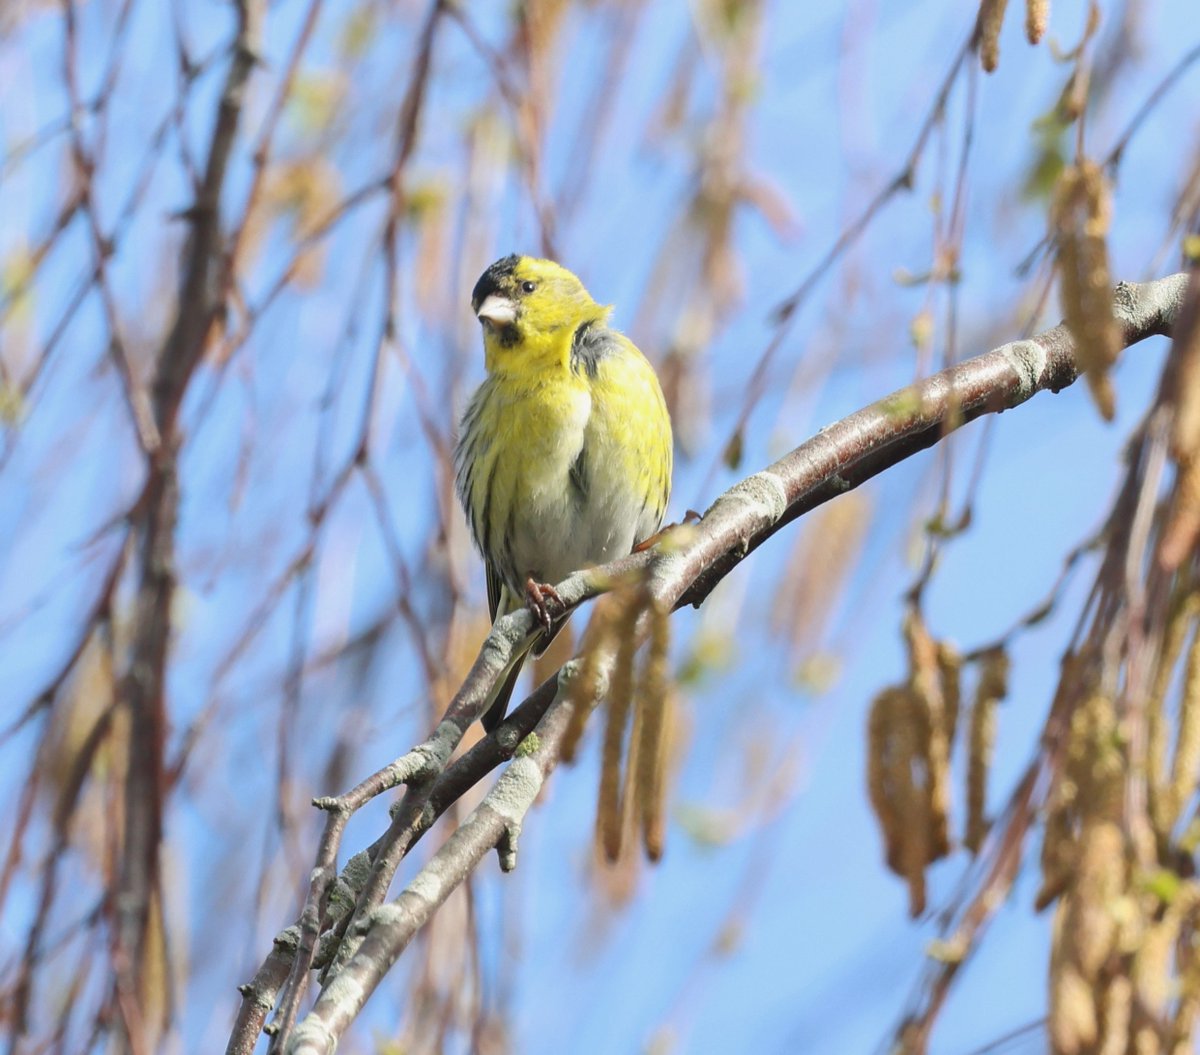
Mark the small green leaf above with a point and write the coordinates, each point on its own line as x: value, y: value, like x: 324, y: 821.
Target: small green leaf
x: 734, y: 450
x: 818, y: 673
x: 704, y: 825
x: 1049, y: 157
x: 920, y: 330
x: 315, y: 100
x: 710, y: 651
x: 951, y: 950
x: 903, y: 404
x: 528, y: 746
x: 16, y: 284
x: 12, y: 405
x: 357, y: 32
x: 1163, y: 883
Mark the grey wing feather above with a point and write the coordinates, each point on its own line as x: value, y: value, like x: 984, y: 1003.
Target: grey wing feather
x: 495, y: 586
x: 577, y: 477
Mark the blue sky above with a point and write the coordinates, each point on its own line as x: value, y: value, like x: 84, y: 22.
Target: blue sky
x: 825, y: 955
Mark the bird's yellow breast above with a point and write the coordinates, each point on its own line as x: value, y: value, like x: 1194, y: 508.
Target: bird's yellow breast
x: 523, y: 441
x: 539, y: 431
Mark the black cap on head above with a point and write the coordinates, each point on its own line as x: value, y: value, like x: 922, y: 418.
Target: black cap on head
x: 492, y: 279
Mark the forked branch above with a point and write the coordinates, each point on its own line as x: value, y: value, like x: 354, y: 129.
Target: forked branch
x: 682, y: 571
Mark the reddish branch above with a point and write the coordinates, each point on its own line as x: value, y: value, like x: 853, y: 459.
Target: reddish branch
x: 837, y: 459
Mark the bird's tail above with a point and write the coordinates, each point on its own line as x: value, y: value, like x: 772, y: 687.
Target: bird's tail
x: 537, y: 644
x: 494, y: 715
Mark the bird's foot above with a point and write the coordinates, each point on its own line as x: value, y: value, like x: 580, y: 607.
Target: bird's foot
x: 690, y: 517
x: 540, y: 597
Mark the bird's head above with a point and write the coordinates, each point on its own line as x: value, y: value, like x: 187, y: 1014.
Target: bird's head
x: 530, y: 310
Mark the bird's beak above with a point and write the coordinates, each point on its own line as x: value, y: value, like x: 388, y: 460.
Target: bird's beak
x: 497, y: 310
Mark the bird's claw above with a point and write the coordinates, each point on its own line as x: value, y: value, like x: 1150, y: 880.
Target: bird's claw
x: 539, y: 597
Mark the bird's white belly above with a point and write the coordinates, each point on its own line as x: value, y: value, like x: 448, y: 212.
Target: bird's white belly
x: 558, y: 533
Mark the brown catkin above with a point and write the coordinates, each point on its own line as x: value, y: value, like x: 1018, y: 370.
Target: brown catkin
x: 916, y: 825
x: 1155, y: 954
x: 932, y: 745
x: 880, y: 772
x: 584, y: 689
x: 1185, y: 765
x: 1037, y: 13
x: 1058, y: 852
x: 653, y: 701
x: 1080, y: 215
x: 981, y: 740
x: 979, y: 760
x: 950, y: 667
x: 1146, y: 1041
x: 1185, y: 378
x: 822, y: 559
x: 1090, y: 928
x: 1179, y: 537
x: 1073, y: 1025
x: 1183, y: 527
x: 1059, y: 848
x: 993, y: 675
x: 629, y: 782
x: 1095, y: 762
x: 85, y: 732
x: 620, y: 699
x: 1179, y: 620
x: 1187, y: 1007
x: 987, y: 32
x: 1115, y: 1015
x: 889, y: 769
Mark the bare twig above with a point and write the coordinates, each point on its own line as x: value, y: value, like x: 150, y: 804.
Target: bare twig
x: 494, y: 823
x: 784, y: 313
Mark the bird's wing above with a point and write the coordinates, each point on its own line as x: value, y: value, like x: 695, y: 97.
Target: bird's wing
x: 626, y: 389
x: 495, y: 589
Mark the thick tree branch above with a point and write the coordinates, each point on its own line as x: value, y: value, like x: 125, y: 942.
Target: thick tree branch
x: 853, y: 450
x: 682, y: 571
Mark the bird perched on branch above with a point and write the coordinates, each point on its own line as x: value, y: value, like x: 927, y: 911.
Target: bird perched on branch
x: 564, y: 453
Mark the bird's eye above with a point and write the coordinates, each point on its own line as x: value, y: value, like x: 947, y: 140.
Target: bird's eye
x: 528, y: 287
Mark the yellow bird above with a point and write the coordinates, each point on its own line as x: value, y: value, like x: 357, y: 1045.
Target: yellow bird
x: 564, y: 453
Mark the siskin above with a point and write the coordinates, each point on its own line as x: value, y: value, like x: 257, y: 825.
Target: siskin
x: 564, y: 453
